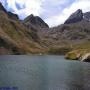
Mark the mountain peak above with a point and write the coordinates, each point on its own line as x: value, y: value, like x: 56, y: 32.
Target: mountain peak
x: 35, y: 20
x: 75, y: 17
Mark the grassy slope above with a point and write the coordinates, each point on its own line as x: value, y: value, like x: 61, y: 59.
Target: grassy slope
x: 15, y: 38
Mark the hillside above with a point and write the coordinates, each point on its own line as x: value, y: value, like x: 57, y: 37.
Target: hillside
x: 73, y: 35
x: 15, y: 37
x: 33, y: 36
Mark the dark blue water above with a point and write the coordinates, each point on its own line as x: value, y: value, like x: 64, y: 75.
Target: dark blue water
x: 43, y: 73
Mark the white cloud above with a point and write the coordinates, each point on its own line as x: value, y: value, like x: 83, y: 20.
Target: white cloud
x: 31, y: 7
x: 54, y: 12
x: 60, y: 18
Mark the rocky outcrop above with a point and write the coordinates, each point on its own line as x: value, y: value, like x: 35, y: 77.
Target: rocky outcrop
x: 87, y: 16
x: 78, y: 16
x: 36, y: 21
x: 2, y: 8
x: 75, y: 17
x: 13, y: 16
x: 73, y: 55
x: 85, y: 57
x: 80, y: 55
x: 9, y: 14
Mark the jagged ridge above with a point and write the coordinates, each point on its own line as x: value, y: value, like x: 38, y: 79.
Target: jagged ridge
x: 78, y: 16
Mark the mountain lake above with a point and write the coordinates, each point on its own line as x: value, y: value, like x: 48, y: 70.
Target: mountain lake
x: 45, y: 72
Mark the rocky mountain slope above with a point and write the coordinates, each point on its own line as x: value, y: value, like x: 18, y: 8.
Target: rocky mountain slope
x: 33, y: 36
x: 73, y: 35
x: 15, y: 37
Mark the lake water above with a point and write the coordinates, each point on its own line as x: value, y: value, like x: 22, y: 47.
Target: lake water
x: 43, y: 73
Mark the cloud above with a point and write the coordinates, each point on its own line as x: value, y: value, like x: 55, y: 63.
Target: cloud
x: 54, y: 12
x: 31, y: 7
x: 23, y: 7
x: 61, y: 17
x: 20, y: 6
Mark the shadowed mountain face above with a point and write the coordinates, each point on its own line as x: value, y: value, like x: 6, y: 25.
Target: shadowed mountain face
x: 87, y: 16
x: 78, y: 16
x: 33, y: 36
x: 75, y: 17
x: 13, y: 16
x: 35, y: 21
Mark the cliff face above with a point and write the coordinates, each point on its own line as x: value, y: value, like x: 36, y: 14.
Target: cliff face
x: 75, y: 17
x: 35, y: 21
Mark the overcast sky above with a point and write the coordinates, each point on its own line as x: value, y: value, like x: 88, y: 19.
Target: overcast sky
x: 53, y: 12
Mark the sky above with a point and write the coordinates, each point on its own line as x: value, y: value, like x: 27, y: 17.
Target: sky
x: 53, y: 12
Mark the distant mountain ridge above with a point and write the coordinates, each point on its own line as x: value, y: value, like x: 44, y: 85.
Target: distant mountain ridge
x: 78, y: 16
x: 36, y: 21
x: 74, y: 34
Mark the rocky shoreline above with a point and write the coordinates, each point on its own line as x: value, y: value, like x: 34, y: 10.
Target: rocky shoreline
x: 80, y: 55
